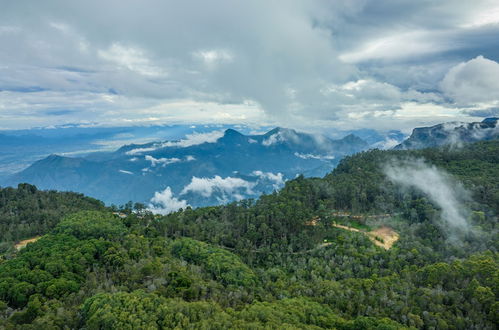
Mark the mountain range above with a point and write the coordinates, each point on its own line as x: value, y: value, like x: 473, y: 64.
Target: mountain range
x: 21, y: 148
x: 219, y: 166
x: 202, y: 169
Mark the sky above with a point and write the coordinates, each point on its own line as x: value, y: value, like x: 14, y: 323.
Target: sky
x: 313, y: 65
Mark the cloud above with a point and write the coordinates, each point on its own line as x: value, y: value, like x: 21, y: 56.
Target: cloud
x: 133, y: 67
x: 438, y: 186
x: 125, y: 172
x: 273, y: 139
x: 196, y: 139
x: 189, y: 141
x: 387, y: 143
x: 165, y: 202
x: 214, y: 57
x: 162, y: 161
x: 228, y: 187
x: 474, y: 81
x: 233, y: 188
x: 283, y: 135
x: 131, y: 58
x: 398, y: 46
x: 278, y: 178
x: 473, y: 131
x: 489, y: 17
x: 138, y: 151
x: 312, y: 156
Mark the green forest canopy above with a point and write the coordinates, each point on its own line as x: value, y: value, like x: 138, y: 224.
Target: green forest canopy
x: 256, y: 264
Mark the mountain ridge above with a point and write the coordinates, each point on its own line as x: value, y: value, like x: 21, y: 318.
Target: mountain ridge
x: 221, y: 161
x: 451, y: 133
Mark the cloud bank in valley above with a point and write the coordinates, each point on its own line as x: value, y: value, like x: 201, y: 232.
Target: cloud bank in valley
x: 228, y: 187
x: 222, y: 189
x: 443, y: 190
x: 165, y: 202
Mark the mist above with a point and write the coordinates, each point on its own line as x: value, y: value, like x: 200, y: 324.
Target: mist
x: 439, y: 187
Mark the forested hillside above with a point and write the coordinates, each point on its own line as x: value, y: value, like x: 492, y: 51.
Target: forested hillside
x: 281, y: 261
x: 26, y: 211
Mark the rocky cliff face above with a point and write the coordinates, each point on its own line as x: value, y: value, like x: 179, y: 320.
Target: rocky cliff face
x: 453, y: 133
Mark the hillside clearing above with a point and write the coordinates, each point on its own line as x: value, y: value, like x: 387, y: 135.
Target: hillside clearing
x: 383, y: 237
x: 23, y: 243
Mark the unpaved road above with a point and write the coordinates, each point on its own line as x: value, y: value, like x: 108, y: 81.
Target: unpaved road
x: 22, y: 244
x: 387, y: 234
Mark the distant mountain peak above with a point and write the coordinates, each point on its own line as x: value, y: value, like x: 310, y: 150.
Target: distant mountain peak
x: 451, y: 133
x: 353, y: 138
x: 232, y: 137
x: 231, y: 132
x: 491, y: 120
x: 280, y: 130
x: 53, y: 158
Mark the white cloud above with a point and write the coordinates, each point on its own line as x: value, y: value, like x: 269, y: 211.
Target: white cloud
x: 312, y: 156
x: 278, y: 178
x: 189, y: 141
x: 162, y: 161
x: 228, y: 186
x: 214, y: 57
x: 283, y: 135
x: 474, y: 81
x: 397, y: 46
x: 483, y: 18
x: 196, y: 139
x: 368, y: 91
x: 142, y: 150
x: 165, y: 202
x: 132, y: 58
x: 386, y: 144
x: 125, y: 172
x: 438, y: 186
x: 135, y: 69
x: 405, y: 116
x: 232, y: 188
x: 476, y: 131
x: 273, y: 139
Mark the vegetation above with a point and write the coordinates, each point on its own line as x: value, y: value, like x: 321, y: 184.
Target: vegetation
x: 261, y: 264
x: 26, y: 211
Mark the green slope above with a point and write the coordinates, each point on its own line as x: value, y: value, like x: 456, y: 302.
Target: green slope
x: 257, y: 264
x: 26, y: 211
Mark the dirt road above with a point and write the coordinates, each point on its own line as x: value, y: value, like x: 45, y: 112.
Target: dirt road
x: 383, y: 237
